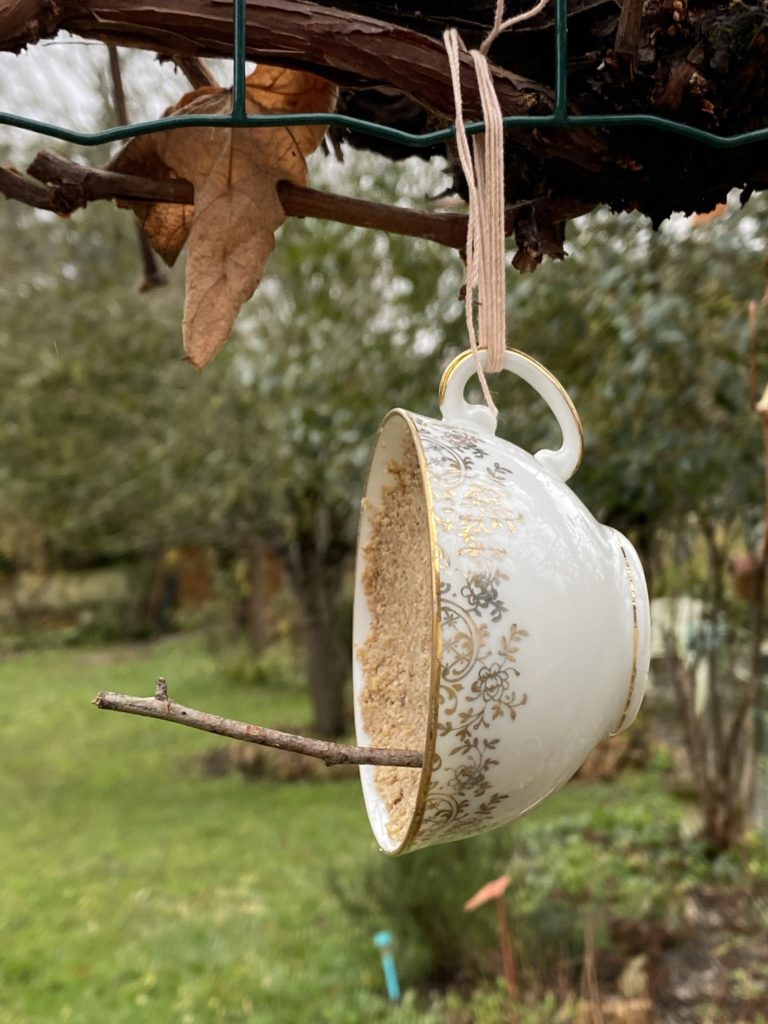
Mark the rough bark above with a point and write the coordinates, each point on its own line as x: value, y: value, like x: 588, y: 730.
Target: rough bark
x: 257, y: 617
x: 317, y: 579
x: 703, y: 64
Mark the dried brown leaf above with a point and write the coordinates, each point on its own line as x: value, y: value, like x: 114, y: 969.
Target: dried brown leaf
x: 235, y: 172
x: 166, y: 225
x: 273, y: 89
x: 295, y: 92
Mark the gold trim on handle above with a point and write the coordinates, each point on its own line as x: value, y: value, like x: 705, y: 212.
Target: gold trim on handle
x: 635, y: 642
x: 450, y: 371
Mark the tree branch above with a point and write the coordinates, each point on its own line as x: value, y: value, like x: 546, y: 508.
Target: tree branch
x: 71, y: 186
x: 160, y: 706
x: 445, y: 228
x: 195, y: 70
x: 702, y: 65
x: 350, y: 49
x: 14, y: 185
x: 330, y: 41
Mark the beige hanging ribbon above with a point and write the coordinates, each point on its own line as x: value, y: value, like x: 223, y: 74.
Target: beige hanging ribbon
x: 483, y: 168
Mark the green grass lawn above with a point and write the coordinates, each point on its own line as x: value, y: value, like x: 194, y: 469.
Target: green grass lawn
x: 133, y: 889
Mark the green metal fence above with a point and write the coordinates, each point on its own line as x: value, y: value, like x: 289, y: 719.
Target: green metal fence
x: 238, y: 117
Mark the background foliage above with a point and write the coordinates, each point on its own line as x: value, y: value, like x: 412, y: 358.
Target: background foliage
x: 112, y: 451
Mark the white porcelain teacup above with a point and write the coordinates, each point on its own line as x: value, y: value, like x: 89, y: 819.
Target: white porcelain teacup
x: 527, y: 640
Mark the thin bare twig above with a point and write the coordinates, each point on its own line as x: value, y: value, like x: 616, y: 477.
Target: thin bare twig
x: 196, y: 70
x: 507, y: 954
x: 160, y: 706
x: 696, y: 740
x: 154, y: 276
x: 590, y: 975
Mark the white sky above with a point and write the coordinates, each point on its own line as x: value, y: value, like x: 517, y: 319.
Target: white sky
x: 63, y: 81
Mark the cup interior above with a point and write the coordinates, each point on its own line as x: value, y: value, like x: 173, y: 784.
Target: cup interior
x: 395, y: 636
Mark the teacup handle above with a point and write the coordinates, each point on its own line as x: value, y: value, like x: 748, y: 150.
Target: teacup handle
x: 562, y: 463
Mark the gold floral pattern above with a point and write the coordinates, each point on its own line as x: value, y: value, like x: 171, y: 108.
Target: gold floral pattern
x: 481, y: 592
x: 476, y: 521
x: 482, y: 515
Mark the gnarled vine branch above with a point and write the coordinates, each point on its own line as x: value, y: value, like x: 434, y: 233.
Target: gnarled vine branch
x: 697, y: 64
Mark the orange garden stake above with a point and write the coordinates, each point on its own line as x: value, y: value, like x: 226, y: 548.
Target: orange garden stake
x: 495, y: 891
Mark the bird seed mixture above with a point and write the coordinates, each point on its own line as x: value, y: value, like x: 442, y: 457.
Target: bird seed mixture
x: 396, y: 657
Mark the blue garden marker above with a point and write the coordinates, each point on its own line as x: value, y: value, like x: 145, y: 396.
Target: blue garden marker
x: 383, y: 942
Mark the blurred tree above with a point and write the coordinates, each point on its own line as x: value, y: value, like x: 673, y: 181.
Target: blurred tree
x: 649, y: 330
x: 89, y: 373
x: 111, y: 445
x: 347, y: 324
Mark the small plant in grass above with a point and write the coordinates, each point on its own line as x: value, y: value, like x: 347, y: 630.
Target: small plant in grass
x: 420, y: 898
x: 489, y: 1004
x: 617, y: 862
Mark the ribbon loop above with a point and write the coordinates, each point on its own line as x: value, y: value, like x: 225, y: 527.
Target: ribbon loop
x: 483, y: 168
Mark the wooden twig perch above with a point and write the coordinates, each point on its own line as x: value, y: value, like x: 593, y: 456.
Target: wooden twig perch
x: 160, y: 706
